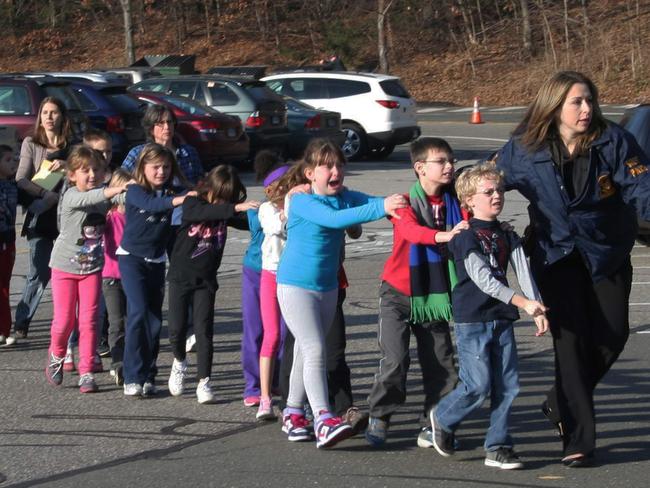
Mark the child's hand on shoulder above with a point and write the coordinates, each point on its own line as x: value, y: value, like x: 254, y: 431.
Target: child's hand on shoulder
x: 192, y: 193
x: 304, y: 188
x: 393, y: 203
x: 446, y: 236
x: 247, y: 205
x: 534, y: 308
x: 111, y: 191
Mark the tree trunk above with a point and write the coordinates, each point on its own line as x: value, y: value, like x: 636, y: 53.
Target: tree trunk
x: 382, y: 11
x: 128, y: 31
x: 206, y: 10
x: 549, y: 32
x: 526, y: 30
x: 567, y: 40
x: 585, y: 24
x: 52, y: 14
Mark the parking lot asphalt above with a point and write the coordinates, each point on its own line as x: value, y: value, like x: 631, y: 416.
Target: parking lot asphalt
x: 58, y: 437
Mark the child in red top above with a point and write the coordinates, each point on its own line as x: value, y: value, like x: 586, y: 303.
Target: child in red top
x: 415, y: 292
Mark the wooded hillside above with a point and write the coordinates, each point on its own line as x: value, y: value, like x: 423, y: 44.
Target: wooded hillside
x: 446, y: 51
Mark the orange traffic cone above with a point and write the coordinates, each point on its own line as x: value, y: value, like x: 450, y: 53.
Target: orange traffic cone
x: 476, y: 114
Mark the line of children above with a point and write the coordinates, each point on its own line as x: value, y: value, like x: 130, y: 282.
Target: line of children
x: 219, y: 202
x: 308, y: 285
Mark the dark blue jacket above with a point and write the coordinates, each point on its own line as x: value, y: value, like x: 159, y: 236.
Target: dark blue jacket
x: 601, y: 222
x: 148, y: 222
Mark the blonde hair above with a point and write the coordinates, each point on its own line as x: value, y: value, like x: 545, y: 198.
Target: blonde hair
x: 540, y: 121
x: 277, y: 190
x: 467, y: 182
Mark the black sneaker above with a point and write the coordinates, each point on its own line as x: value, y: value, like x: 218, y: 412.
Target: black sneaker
x: 503, y: 458
x: 103, y: 350
x: 443, y: 441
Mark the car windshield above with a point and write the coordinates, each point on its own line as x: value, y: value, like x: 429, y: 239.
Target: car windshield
x: 123, y: 102
x: 190, y: 107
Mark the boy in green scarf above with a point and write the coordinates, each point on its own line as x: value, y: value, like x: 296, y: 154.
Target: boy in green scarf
x: 415, y: 292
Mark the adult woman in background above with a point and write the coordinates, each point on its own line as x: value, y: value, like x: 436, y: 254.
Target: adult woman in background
x: 51, y: 141
x: 584, y: 178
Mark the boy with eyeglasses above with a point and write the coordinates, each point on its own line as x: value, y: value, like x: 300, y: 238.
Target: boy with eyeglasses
x: 485, y: 308
x: 414, y: 296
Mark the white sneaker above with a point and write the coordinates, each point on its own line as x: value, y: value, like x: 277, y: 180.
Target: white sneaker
x: 204, y: 392
x: 132, y: 390
x: 190, y: 342
x: 176, y: 381
x: 10, y: 340
x: 149, y: 389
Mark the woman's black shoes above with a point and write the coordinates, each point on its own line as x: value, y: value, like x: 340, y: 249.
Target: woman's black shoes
x: 578, y: 461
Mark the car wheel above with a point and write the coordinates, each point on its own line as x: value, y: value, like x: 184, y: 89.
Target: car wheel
x: 354, y: 146
x: 383, y: 152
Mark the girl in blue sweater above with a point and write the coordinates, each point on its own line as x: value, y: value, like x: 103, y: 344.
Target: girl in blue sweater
x: 141, y: 255
x: 308, y: 285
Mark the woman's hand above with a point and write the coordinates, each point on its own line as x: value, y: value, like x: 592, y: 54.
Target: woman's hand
x: 304, y: 188
x: 541, y: 322
x: 247, y: 205
x: 58, y: 164
x: 446, y: 236
x: 393, y: 203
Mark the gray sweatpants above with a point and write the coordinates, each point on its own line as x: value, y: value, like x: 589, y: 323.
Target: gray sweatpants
x: 308, y: 315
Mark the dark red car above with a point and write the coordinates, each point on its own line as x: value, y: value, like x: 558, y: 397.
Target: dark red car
x: 218, y: 138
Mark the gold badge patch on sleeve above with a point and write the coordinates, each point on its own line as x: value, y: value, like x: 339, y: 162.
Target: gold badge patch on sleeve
x: 607, y: 188
x: 635, y: 167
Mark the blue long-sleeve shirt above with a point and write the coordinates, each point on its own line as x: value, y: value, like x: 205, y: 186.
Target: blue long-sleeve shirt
x: 253, y: 256
x: 315, y: 234
x: 148, y: 222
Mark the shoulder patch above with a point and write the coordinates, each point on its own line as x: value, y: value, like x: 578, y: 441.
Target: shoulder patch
x: 635, y: 167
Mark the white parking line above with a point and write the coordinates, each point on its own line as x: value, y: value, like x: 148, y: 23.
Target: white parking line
x: 506, y: 109
x: 431, y: 109
x: 459, y: 110
x: 471, y: 138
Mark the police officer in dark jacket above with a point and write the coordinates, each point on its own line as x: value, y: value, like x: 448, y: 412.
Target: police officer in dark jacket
x: 586, y: 180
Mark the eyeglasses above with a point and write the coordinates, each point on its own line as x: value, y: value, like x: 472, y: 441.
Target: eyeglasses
x: 439, y: 161
x: 491, y: 191
x: 165, y: 122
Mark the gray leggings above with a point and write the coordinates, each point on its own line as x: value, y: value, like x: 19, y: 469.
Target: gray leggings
x: 308, y: 315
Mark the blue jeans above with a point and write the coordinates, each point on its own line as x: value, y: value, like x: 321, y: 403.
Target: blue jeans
x: 487, y: 357
x: 37, y: 279
x: 144, y: 285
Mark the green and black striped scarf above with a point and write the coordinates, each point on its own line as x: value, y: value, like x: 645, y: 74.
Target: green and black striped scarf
x: 432, y: 275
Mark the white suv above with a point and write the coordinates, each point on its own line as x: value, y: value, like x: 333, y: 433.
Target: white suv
x: 377, y: 112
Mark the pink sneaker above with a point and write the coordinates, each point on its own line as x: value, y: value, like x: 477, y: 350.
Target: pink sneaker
x: 331, y: 430
x: 251, y: 401
x: 265, y: 412
x: 297, y: 427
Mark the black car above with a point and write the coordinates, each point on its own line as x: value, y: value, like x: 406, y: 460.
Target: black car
x: 262, y: 112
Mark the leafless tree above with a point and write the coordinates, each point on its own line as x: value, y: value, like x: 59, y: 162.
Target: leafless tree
x: 527, y: 32
x: 128, y: 31
x: 383, y: 7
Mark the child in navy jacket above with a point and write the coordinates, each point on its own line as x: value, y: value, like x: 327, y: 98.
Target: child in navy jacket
x: 142, y: 257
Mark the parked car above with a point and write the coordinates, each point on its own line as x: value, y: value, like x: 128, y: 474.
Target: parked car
x: 109, y: 107
x: 20, y: 98
x: 135, y: 74
x: 306, y: 122
x: 637, y: 121
x: 96, y: 76
x: 218, y: 138
x: 261, y: 111
x: 377, y: 112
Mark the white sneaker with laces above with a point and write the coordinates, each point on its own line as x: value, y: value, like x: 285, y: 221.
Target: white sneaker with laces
x: 132, y: 390
x: 176, y: 381
x: 204, y: 393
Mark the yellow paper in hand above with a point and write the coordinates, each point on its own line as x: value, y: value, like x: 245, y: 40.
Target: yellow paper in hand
x: 45, y: 178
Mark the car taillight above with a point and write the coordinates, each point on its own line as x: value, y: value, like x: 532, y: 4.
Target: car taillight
x: 313, y: 123
x: 388, y: 103
x: 114, y: 123
x: 206, y: 128
x: 254, y: 120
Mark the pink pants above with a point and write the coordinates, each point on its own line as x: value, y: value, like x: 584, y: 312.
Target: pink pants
x: 270, y: 314
x: 75, y: 296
